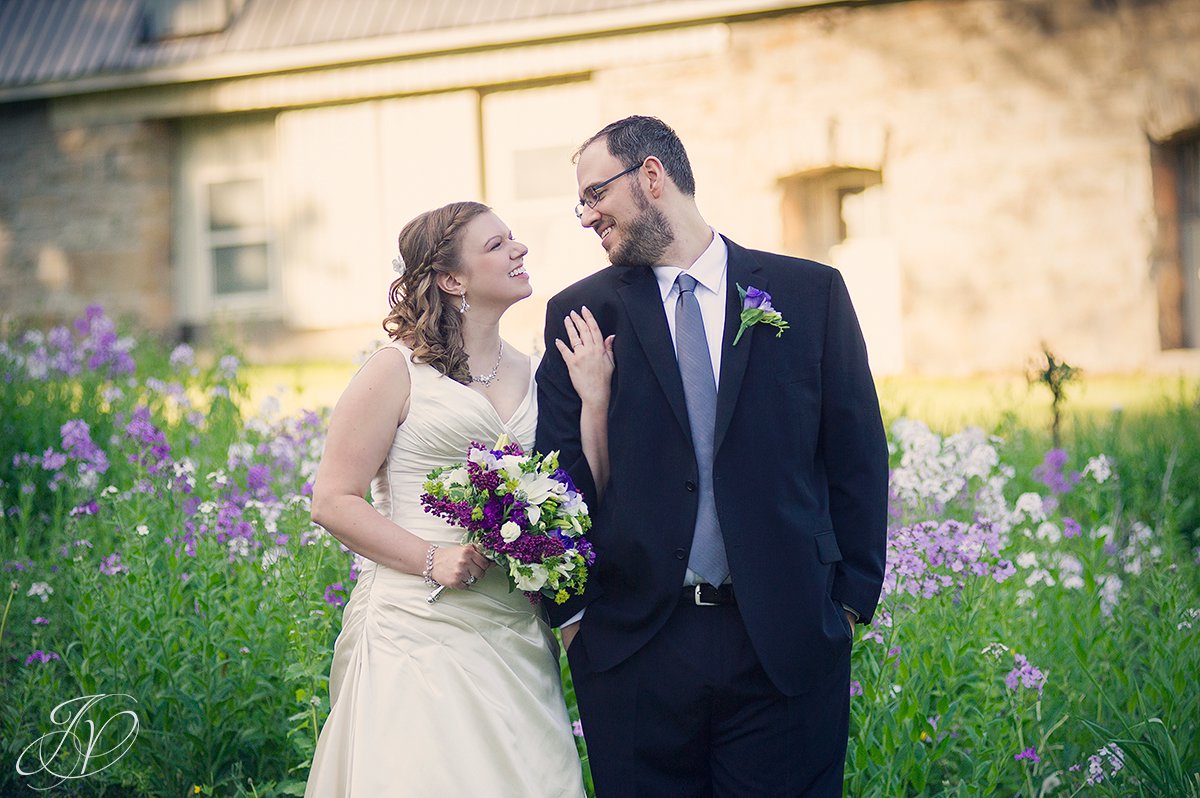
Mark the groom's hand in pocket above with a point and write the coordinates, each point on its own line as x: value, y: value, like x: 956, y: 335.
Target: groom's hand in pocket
x: 568, y: 633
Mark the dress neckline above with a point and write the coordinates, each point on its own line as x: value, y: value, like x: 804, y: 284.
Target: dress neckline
x: 523, y: 404
x: 407, y: 352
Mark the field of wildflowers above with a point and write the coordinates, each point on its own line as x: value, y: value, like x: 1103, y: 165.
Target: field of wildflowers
x: 168, y: 609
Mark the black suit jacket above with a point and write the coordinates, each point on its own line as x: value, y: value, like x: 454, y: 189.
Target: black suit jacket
x: 800, y: 467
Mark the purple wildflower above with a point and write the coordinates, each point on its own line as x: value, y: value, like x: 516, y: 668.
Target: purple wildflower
x: 1071, y: 527
x: 258, y: 477
x: 53, y: 461
x: 153, y: 442
x: 182, y: 356
x: 112, y: 565
x: 40, y: 656
x: 333, y: 595
x: 227, y: 367
x: 40, y: 621
x: 104, y: 349
x: 1028, y: 753
x: 855, y: 687
x: 78, y: 443
x: 1025, y: 675
x: 87, y: 508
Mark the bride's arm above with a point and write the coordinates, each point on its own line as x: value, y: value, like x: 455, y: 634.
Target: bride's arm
x: 590, y: 363
x: 360, y: 433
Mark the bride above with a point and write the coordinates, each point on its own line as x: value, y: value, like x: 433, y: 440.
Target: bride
x: 461, y: 696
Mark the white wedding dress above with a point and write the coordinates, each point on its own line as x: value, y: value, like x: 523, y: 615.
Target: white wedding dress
x: 459, y: 697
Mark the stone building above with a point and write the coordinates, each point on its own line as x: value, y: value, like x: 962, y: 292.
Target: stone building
x: 988, y: 174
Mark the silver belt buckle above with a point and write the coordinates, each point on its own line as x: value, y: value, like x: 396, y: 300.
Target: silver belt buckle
x: 700, y: 603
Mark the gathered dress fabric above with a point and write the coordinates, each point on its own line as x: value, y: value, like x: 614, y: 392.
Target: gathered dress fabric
x: 459, y: 697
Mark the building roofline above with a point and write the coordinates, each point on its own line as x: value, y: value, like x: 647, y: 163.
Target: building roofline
x: 417, y: 45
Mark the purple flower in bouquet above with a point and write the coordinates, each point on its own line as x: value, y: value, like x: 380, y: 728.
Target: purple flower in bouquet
x: 523, y: 512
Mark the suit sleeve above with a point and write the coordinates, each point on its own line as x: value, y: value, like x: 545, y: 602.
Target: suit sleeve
x: 558, y: 430
x: 853, y: 449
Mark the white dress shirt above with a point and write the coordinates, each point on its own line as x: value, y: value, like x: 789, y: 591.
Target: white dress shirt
x: 709, y: 271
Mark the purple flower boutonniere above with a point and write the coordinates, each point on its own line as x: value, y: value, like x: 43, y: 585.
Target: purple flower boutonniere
x: 757, y: 309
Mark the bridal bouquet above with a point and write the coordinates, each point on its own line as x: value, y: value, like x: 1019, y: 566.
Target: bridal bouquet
x: 524, y: 514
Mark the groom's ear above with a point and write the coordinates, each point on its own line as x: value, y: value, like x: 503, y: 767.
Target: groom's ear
x: 656, y: 174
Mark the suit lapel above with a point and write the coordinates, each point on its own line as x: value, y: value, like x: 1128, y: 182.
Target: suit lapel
x: 742, y: 270
x: 644, y: 306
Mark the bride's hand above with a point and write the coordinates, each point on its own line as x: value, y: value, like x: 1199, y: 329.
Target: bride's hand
x: 589, y: 357
x: 458, y: 566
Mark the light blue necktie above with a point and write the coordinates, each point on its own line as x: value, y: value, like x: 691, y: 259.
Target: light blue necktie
x: 700, y: 390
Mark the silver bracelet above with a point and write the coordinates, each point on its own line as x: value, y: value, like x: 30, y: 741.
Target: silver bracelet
x: 427, y: 574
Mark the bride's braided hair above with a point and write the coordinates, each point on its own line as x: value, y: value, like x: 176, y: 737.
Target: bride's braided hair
x: 423, y: 316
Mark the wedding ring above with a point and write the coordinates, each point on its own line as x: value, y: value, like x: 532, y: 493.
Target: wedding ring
x: 471, y: 580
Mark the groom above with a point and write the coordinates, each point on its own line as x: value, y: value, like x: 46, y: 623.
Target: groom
x: 741, y: 532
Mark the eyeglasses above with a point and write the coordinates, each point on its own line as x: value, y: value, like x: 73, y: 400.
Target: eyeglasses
x: 592, y: 195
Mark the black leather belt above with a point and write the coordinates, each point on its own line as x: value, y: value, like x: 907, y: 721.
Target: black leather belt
x: 709, y: 595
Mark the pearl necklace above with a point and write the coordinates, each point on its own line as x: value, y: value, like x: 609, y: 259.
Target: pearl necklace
x: 488, y: 378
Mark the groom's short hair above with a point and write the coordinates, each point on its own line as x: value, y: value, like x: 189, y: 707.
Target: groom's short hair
x: 635, y: 138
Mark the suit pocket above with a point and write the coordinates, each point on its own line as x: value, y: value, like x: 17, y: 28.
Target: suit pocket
x: 827, y: 547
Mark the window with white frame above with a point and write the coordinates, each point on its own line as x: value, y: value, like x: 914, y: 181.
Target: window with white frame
x: 237, y: 238
x: 226, y: 219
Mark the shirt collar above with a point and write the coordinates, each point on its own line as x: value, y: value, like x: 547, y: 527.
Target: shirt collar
x: 708, y: 269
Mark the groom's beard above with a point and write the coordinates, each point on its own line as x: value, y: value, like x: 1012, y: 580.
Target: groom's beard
x: 646, y: 237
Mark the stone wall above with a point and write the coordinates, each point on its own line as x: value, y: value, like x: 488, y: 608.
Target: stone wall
x: 1014, y: 144
x: 84, y: 218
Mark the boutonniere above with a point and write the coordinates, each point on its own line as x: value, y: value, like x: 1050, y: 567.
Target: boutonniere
x: 756, y: 309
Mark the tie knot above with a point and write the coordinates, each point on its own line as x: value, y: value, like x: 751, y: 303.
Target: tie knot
x: 686, y: 282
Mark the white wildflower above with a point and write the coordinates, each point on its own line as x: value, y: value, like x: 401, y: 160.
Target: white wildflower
x: 239, y: 452
x: 1110, y: 591
x: 41, y: 590
x: 1030, y: 505
x: 1098, y: 468
x: 1049, y: 532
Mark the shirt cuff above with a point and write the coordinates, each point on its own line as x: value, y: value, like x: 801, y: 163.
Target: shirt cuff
x: 845, y: 606
x: 576, y: 618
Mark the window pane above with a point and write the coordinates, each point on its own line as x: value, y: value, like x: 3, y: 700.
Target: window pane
x: 240, y: 269
x: 236, y: 204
